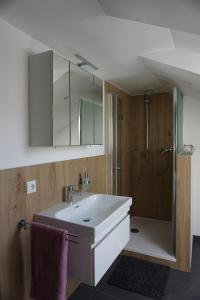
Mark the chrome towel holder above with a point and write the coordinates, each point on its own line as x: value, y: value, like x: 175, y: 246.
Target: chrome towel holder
x: 23, y: 224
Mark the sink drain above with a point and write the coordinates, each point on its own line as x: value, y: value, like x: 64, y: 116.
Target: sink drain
x: 134, y: 230
x: 86, y: 220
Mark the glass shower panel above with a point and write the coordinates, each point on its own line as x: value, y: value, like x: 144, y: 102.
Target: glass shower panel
x: 116, y: 145
x: 178, y: 147
x: 178, y: 98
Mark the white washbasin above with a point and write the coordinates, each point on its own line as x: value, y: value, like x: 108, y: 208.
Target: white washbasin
x: 101, y: 224
x: 94, y: 212
x: 95, y: 208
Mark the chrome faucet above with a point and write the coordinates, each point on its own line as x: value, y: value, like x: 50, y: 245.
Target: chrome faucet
x: 69, y: 192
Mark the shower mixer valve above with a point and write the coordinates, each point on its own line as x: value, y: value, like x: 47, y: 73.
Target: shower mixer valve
x: 166, y: 150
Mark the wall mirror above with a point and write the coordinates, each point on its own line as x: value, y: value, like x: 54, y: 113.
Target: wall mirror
x: 61, y: 104
x: 82, y: 110
x: 66, y: 103
x: 98, y: 111
x: 86, y: 96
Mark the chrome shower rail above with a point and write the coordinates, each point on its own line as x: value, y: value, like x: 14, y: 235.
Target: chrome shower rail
x: 147, y: 102
x: 23, y: 224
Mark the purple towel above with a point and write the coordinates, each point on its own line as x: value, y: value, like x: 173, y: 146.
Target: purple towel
x: 48, y: 262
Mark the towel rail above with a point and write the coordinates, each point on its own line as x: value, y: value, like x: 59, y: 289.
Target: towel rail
x: 23, y: 224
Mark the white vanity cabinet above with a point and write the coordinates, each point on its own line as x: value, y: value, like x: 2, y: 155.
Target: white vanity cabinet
x: 99, y: 240
x: 108, y: 249
x: 89, y: 260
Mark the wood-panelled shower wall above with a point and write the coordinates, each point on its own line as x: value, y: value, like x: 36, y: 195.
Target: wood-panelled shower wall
x: 148, y: 182
x: 151, y: 180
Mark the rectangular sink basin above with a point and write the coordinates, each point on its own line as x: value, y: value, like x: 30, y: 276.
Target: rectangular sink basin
x: 102, y: 226
x: 93, y: 210
x: 92, y: 213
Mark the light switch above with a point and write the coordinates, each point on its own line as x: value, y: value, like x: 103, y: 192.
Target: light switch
x: 31, y: 186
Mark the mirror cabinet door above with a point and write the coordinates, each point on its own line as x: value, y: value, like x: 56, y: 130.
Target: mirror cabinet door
x: 61, y: 104
x: 98, y: 111
x: 82, y: 106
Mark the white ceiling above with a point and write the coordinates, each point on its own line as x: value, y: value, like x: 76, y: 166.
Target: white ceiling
x: 186, y: 41
x: 181, y: 15
x: 171, y: 75
x: 114, y: 44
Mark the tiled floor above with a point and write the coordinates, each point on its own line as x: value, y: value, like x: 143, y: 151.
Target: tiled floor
x: 180, y: 285
x: 154, y: 238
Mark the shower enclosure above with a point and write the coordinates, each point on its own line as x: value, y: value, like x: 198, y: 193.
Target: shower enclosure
x: 155, y: 137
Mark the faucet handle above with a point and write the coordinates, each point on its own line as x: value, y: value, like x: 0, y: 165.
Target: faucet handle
x: 68, y: 191
x: 70, y: 187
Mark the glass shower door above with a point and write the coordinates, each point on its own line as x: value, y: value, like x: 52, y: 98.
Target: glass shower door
x: 178, y: 147
x: 115, y: 143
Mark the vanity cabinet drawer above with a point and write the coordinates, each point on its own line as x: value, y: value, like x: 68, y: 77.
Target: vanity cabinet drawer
x: 106, y: 252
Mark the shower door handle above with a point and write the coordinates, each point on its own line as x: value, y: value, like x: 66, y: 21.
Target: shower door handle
x: 116, y: 168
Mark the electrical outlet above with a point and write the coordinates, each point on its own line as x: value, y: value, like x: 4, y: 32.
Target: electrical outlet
x: 31, y: 186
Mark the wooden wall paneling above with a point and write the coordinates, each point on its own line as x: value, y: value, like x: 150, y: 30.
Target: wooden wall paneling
x: 15, y: 204
x: 137, y: 136
x: 152, y: 179
x: 162, y: 136
x: 12, y: 207
x: 183, y: 212
x: 148, y: 182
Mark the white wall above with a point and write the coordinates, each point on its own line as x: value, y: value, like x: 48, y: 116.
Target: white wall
x: 191, y: 135
x: 15, y: 47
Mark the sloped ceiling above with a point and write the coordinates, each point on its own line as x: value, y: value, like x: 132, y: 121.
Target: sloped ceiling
x: 182, y: 15
x: 172, y: 70
x: 126, y: 48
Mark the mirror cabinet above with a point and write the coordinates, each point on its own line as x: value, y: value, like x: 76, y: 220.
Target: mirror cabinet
x: 65, y: 103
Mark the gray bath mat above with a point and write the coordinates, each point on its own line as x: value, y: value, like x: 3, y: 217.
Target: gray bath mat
x: 139, y: 276
x: 84, y: 292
